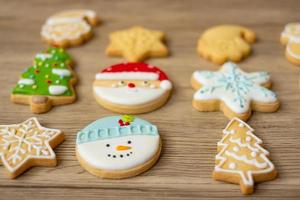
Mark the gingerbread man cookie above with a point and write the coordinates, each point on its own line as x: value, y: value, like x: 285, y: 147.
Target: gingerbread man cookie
x: 291, y: 38
x: 132, y: 88
x: 50, y: 81
x: 69, y: 28
x: 26, y: 145
x: 233, y: 91
x: 118, y: 147
x: 137, y: 44
x: 225, y: 43
x: 241, y: 159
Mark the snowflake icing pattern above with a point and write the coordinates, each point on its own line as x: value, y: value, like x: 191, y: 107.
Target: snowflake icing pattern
x: 21, y: 142
x: 234, y: 86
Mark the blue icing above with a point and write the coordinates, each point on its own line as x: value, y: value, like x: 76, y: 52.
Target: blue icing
x: 109, y: 127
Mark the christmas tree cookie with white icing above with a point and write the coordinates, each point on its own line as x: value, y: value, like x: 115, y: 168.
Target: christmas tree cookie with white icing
x: 233, y: 91
x: 48, y: 82
x: 69, y: 28
x: 27, y: 144
x: 118, y: 147
x: 291, y: 38
x: 241, y: 158
x: 132, y: 88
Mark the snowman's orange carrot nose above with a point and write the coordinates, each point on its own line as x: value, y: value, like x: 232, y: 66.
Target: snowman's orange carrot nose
x: 122, y: 148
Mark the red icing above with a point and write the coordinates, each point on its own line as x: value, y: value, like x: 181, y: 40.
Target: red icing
x: 131, y: 85
x: 136, y: 67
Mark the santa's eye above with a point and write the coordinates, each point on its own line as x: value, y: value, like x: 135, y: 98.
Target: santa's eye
x: 145, y: 82
x: 129, y: 142
x: 107, y: 145
x: 121, y: 83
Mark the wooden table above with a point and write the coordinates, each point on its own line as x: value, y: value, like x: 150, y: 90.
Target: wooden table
x: 189, y: 137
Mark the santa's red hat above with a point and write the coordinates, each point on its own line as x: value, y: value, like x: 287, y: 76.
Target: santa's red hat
x: 134, y: 71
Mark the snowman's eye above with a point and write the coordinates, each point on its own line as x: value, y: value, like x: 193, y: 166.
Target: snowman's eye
x: 121, y: 83
x: 129, y: 142
x: 107, y: 145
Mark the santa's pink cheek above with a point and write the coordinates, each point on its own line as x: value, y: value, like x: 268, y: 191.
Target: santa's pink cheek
x: 131, y: 85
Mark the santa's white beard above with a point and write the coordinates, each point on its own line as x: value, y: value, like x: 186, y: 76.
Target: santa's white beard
x: 128, y: 96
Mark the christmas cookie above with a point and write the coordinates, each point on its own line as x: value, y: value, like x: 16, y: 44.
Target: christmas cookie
x: 26, y: 145
x: 118, y: 147
x: 48, y: 82
x: 69, y: 28
x: 132, y: 88
x: 291, y: 38
x: 233, y: 91
x: 137, y: 44
x: 241, y: 159
x: 226, y: 43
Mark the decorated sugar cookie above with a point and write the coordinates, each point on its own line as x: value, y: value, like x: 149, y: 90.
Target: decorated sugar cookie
x: 137, y: 44
x: 291, y: 38
x: 26, y: 145
x: 226, y: 43
x: 48, y: 82
x: 233, y: 91
x: 69, y: 28
x: 118, y: 147
x: 132, y: 88
x: 241, y: 159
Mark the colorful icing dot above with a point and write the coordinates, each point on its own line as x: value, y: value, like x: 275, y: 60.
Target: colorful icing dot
x: 47, y: 76
x: 248, y: 139
x: 34, y: 86
x: 232, y: 165
x: 236, y: 148
x: 253, y: 154
x: 241, y: 125
x: 21, y: 86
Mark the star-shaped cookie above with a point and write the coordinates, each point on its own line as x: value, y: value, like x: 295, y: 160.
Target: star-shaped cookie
x: 137, y: 44
x: 233, y: 91
x: 27, y: 144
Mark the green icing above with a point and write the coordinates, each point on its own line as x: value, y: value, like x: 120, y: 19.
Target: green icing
x: 43, y: 76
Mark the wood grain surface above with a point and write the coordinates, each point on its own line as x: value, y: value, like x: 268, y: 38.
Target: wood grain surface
x: 189, y: 137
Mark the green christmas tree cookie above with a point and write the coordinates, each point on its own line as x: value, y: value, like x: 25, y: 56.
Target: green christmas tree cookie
x: 48, y: 82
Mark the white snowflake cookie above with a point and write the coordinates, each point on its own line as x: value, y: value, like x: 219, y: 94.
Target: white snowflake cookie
x: 118, y: 147
x: 26, y: 145
x: 69, y: 28
x: 233, y: 91
x: 241, y: 158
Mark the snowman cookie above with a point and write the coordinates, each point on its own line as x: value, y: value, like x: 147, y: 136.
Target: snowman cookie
x: 291, y: 38
x: 132, y: 88
x: 118, y: 147
x: 69, y: 28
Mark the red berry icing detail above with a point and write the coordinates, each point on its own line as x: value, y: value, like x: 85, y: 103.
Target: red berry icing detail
x: 48, y: 81
x: 127, y: 123
x: 131, y: 85
x: 36, y: 71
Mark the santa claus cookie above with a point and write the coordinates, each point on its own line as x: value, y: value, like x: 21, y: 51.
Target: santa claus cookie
x: 118, y: 147
x: 291, y: 38
x: 69, y: 28
x: 233, y: 91
x: 49, y: 81
x: 241, y: 159
x: 132, y: 88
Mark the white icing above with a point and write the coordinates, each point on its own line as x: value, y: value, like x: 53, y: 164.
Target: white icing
x: 43, y: 56
x: 31, y: 142
x: 248, y: 139
x: 247, y: 176
x: 128, y: 96
x: 127, y: 76
x: 57, y: 89
x: 293, y: 35
x: 236, y: 149
x: 61, y: 72
x: 166, y: 84
x: 26, y: 81
x: 234, y: 87
x: 241, y: 125
x: 253, y: 154
x: 143, y: 148
x: 232, y: 165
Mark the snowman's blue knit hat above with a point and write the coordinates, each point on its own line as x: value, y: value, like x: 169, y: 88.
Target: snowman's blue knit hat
x: 109, y: 127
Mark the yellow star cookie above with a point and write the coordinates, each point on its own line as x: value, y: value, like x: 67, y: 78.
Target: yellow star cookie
x: 27, y: 144
x: 225, y: 43
x: 137, y: 44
